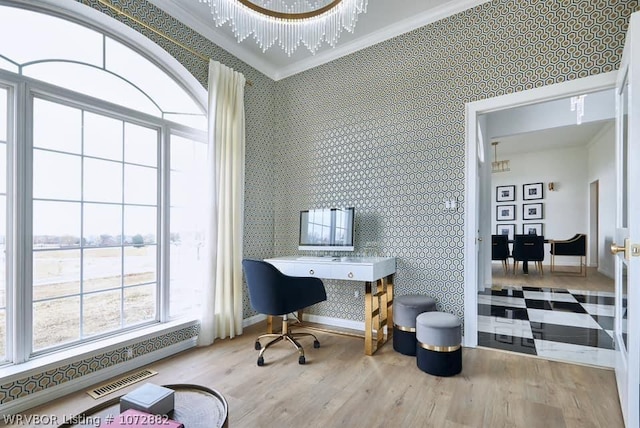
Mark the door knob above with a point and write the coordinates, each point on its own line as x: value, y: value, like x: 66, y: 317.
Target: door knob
x: 628, y: 249
x: 615, y: 249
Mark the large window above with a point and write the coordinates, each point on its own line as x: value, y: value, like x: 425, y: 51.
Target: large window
x: 107, y: 155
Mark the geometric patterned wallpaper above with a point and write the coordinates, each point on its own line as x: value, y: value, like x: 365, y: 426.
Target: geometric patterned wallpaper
x: 58, y: 375
x: 382, y: 130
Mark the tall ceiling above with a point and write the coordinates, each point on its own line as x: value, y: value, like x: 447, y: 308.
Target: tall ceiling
x: 383, y: 20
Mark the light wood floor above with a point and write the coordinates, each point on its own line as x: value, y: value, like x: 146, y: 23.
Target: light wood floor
x: 341, y: 387
x: 594, y: 281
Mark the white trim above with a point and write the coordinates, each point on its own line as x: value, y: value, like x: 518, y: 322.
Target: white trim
x: 74, y: 354
x: 334, y: 322
x: 50, y: 394
x: 396, y: 29
x: 253, y: 320
x: 473, y: 110
x: 209, y: 31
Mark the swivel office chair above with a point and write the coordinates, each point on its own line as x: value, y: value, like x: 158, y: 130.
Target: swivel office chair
x: 273, y: 293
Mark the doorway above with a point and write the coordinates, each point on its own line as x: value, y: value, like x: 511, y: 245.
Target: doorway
x: 479, y: 190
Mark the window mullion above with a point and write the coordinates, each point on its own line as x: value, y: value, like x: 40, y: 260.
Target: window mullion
x: 164, y: 225
x: 22, y: 226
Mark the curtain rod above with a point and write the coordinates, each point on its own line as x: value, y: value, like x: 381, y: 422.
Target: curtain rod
x: 156, y: 31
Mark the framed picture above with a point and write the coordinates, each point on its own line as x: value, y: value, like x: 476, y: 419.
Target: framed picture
x: 505, y: 193
x: 532, y: 191
x: 505, y: 212
x: 506, y: 229
x: 532, y: 211
x: 532, y: 229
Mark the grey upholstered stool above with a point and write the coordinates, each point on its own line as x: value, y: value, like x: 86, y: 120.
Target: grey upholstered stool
x: 405, y: 310
x: 438, y: 350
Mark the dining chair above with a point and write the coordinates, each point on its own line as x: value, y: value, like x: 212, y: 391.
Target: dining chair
x: 500, y: 250
x: 528, y: 248
x: 575, y: 246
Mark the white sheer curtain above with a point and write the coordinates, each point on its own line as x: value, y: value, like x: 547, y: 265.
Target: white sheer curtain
x: 222, y: 306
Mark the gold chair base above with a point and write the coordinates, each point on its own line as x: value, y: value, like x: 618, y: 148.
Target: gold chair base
x: 284, y: 334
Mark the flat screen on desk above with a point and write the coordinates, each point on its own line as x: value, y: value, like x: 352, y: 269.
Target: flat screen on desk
x: 329, y: 229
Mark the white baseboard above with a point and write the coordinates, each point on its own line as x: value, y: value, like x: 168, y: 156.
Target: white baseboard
x: 49, y: 394
x: 334, y: 322
x: 253, y: 320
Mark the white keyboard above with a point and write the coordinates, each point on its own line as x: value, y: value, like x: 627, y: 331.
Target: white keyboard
x: 319, y: 258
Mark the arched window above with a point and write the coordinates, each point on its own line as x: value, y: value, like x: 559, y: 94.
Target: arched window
x: 100, y: 150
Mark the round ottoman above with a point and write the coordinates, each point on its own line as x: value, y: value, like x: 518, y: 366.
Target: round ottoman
x: 438, y: 350
x: 405, y: 310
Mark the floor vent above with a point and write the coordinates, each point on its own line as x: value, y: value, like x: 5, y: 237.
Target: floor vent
x: 123, y: 382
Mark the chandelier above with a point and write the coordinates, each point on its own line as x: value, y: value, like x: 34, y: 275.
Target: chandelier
x: 496, y: 165
x: 290, y: 22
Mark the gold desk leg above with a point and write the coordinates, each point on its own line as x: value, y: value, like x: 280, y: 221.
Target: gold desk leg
x: 381, y: 337
x: 368, y: 309
x: 378, y: 304
x: 389, y: 287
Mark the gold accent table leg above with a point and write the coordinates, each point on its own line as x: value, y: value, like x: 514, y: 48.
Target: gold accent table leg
x: 382, y: 317
x: 368, y: 309
x: 375, y: 315
x: 389, y: 287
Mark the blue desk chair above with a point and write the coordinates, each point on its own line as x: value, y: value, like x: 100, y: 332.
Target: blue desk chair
x: 273, y: 293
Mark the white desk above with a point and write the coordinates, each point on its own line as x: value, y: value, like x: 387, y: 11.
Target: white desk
x: 377, y: 274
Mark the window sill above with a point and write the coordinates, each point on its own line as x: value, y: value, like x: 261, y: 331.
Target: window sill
x: 43, y: 363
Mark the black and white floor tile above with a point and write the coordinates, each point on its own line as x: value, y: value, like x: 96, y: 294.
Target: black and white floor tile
x: 559, y: 324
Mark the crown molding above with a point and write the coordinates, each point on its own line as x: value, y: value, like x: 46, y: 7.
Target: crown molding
x: 260, y: 61
x: 396, y: 29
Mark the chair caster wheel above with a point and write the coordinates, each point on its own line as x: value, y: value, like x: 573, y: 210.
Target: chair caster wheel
x: 301, y: 360
x: 316, y: 344
x: 260, y: 361
x: 258, y: 346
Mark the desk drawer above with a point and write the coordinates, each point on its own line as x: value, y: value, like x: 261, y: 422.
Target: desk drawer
x: 323, y: 270
x: 344, y: 272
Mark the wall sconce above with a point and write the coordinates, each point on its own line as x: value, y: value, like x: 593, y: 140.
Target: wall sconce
x: 552, y: 186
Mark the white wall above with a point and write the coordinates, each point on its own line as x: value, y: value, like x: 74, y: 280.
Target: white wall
x: 598, y: 106
x: 601, y: 168
x: 565, y: 210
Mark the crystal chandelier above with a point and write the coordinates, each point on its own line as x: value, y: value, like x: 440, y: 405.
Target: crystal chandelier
x: 496, y: 165
x: 290, y: 22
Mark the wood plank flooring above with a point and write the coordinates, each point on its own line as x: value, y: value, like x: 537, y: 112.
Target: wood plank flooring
x: 341, y: 387
x: 594, y: 281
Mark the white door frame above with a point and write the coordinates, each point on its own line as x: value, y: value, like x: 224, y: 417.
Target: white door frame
x: 628, y: 225
x: 474, y: 109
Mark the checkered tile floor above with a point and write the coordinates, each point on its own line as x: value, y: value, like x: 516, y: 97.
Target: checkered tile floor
x: 567, y: 325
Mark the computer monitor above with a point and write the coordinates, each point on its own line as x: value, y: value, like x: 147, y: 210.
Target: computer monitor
x: 327, y: 229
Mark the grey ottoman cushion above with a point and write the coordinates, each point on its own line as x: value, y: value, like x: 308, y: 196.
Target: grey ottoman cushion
x: 438, y: 329
x: 406, y: 308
